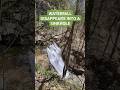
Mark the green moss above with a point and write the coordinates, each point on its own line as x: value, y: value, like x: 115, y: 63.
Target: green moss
x: 45, y: 72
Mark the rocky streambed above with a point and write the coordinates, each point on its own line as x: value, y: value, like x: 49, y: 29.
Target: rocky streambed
x: 47, y: 79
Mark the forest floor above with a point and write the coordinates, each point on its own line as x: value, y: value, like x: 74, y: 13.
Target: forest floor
x: 47, y: 78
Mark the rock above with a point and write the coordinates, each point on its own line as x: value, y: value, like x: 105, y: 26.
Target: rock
x: 41, y: 59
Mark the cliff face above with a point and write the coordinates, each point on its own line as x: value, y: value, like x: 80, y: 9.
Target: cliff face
x: 102, y: 46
